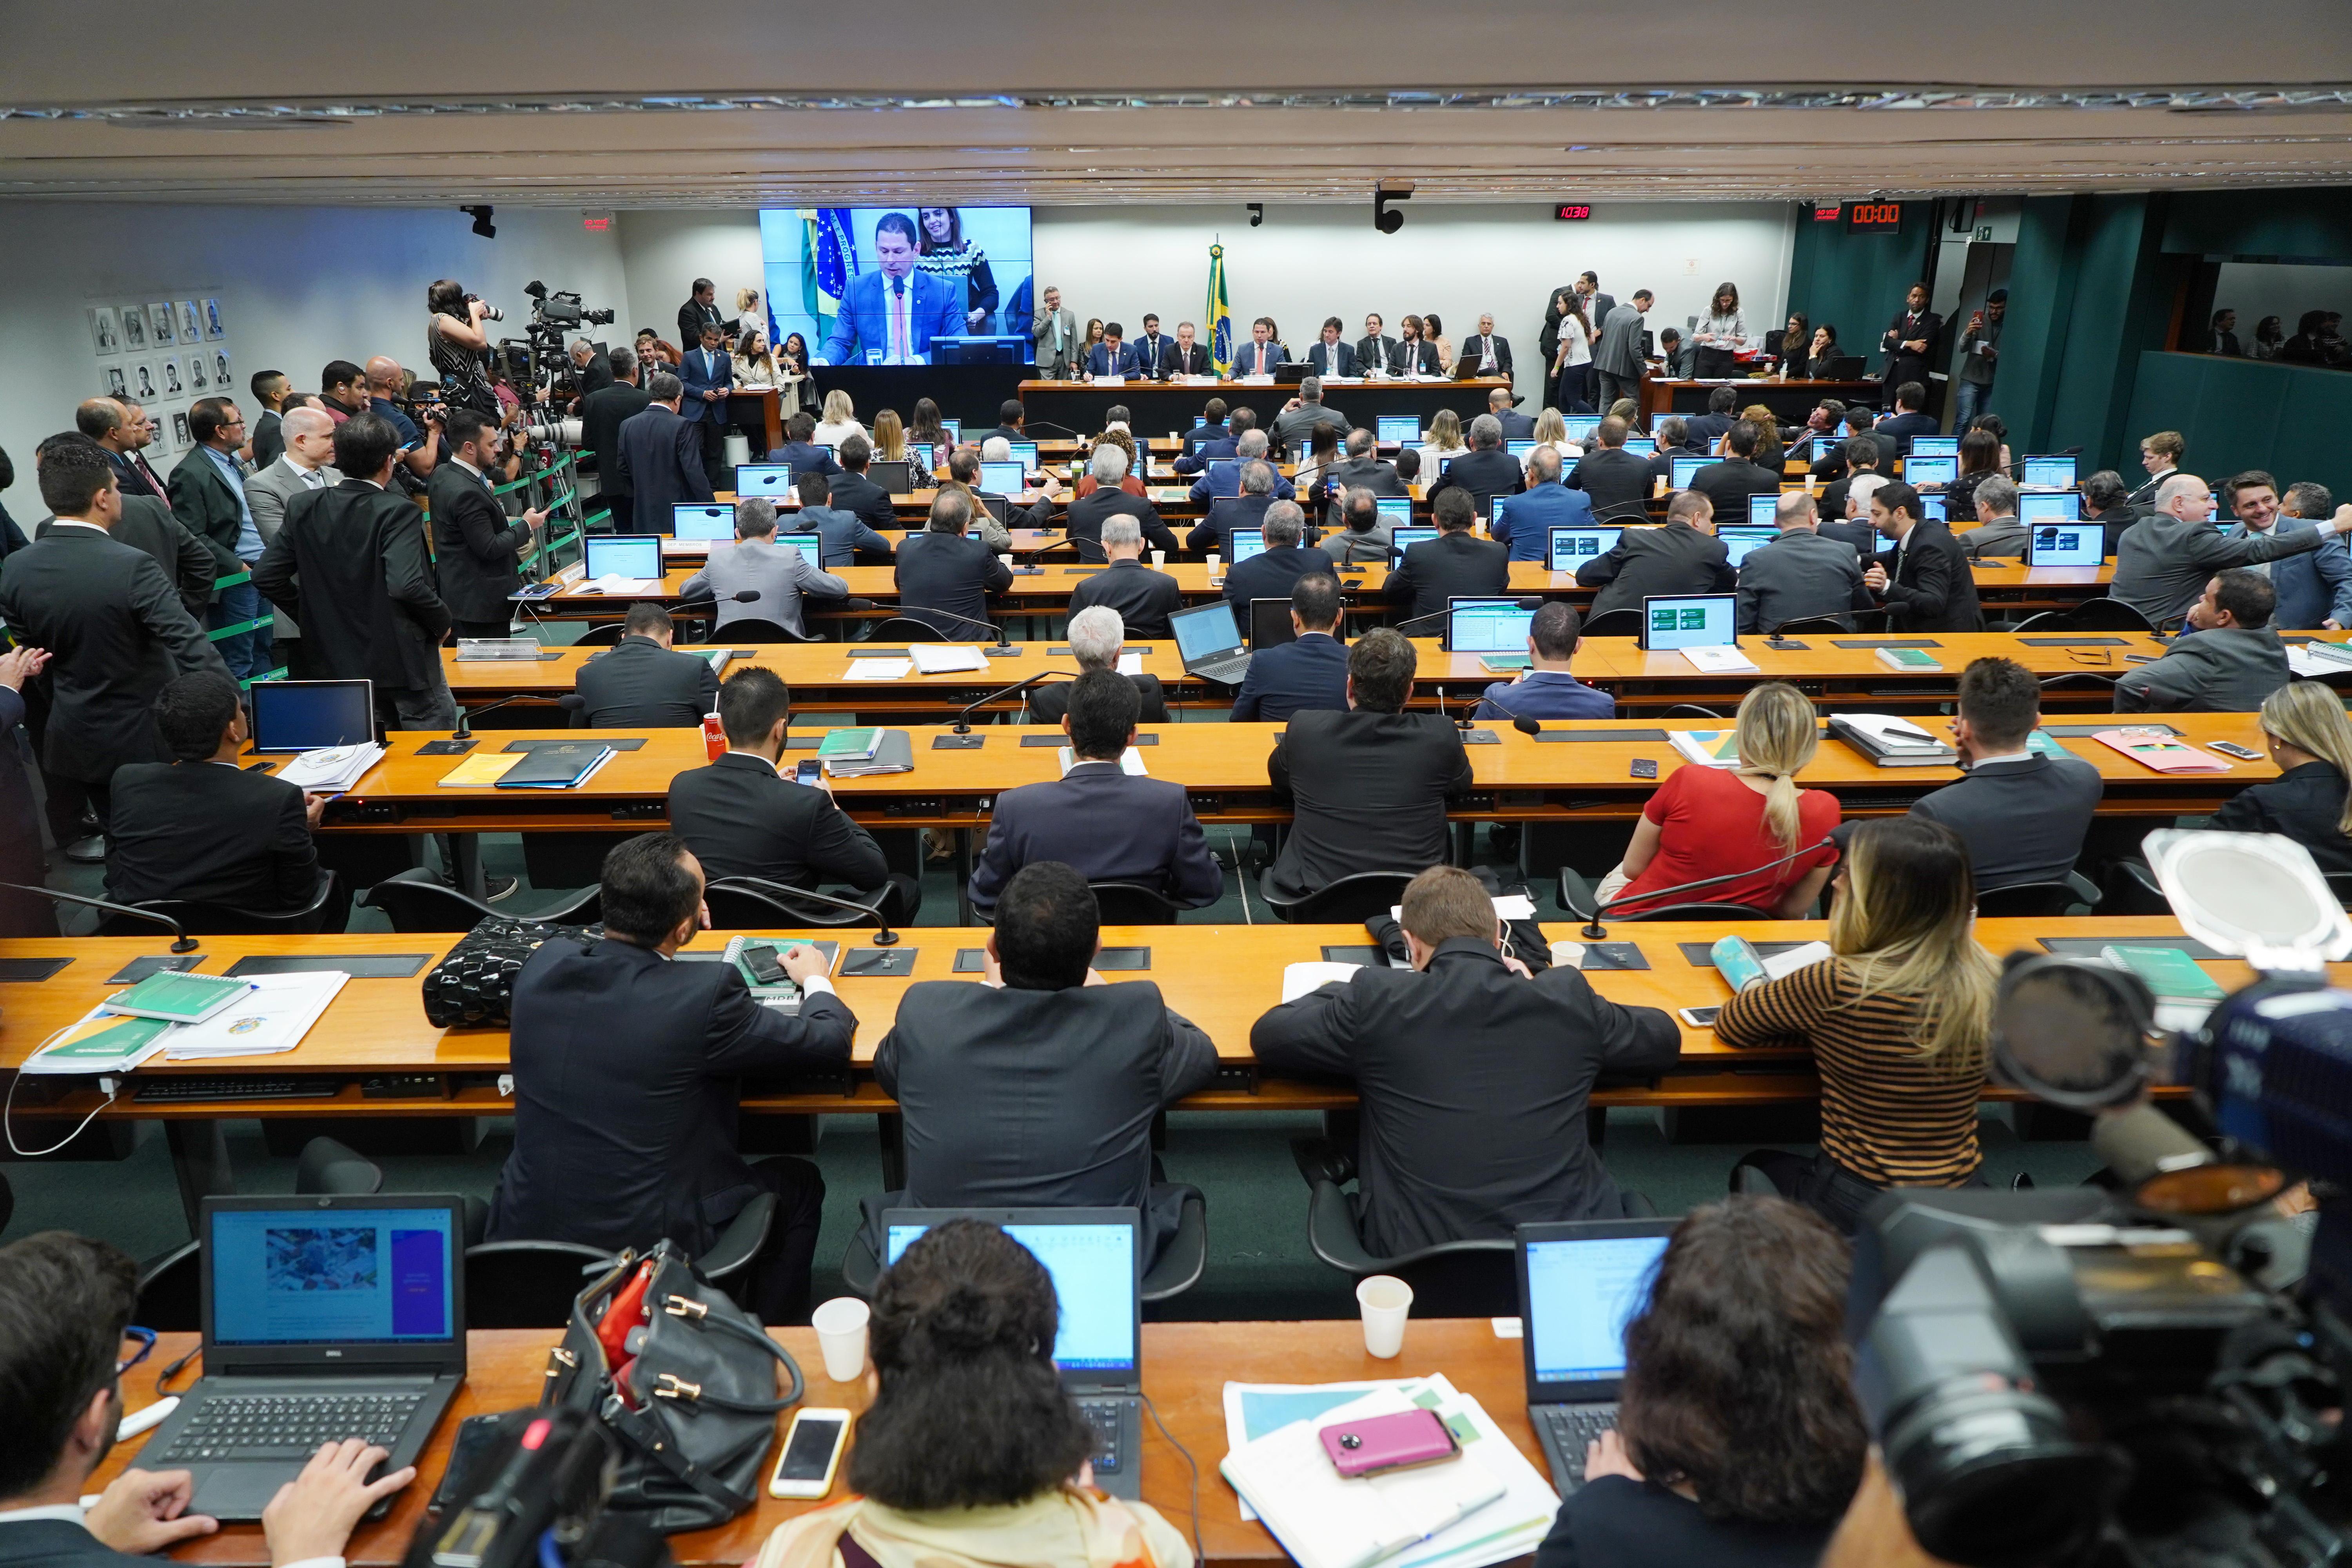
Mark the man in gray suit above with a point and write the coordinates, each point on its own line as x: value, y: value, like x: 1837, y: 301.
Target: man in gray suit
x: 305, y: 465
x: 1054, y: 331
x: 1618, y: 356
x: 2163, y: 562
x: 1801, y: 573
x: 2022, y: 815
x: 779, y: 575
x: 2230, y: 665
x: 1998, y: 534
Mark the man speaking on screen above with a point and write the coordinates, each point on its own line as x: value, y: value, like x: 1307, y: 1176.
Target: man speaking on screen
x: 890, y: 316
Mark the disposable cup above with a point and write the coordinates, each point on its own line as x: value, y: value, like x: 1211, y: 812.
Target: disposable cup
x: 1159, y: 558
x: 840, y: 1327
x: 1385, y: 1303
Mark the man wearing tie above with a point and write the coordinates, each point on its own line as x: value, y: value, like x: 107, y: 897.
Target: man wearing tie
x: 707, y: 373
x: 1152, y: 350
x: 890, y: 315
x: 1054, y: 331
x: 476, y: 551
x: 1187, y: 357
x: 1910, y: 340
x: 122, y: 427
x: 1375, y: 349
x: 1331, y: 356
x: 1110, y: 356
x: 701, y: 311
x: 1261, y: 353
x: 1489, y: 353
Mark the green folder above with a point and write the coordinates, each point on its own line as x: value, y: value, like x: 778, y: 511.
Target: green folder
x: 2170, y: 973
x: 178, y: 998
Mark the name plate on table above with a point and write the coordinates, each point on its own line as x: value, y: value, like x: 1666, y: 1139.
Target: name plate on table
x: 1615, y: 735
x: 1885, y: 642
x: 26, y: 970
x: 149, y: 963
x: 879, y: 963
x: 1702, y: 954
x: 974, y: 960
x: 1058, y: 738
x: 620, y: 743
x: 2095, y: 945
x: 2079, y: 642
x: 2102, y: 729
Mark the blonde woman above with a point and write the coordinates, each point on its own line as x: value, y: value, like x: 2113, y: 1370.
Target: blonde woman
x: 889, y: 437
x: 840, y: 421
x: 1552, y: 430
x: 1445, y: 441
x: 1769, y: 453
x: 1711, y: 822
x: 1896, y: 1020
x: 2311, y: 742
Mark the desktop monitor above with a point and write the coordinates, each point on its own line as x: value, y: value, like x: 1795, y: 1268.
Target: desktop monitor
x: 1396, y: 511
x: 1581, y: 428
x: 1487, y: 625
x: 1002, y: 479
x: 1522, y: 450
x: 1918, y: 471
x: 1693, y: 620
x: 305, y: 715
x: 1094, y: 1257
x: 703, y: 521
x: 1245, y: 542
x: 2068, y: 543
x: 1740, y: 537
x: 1023, y: 453
x: 1642, y: 445
x: 1685, y: 468
x: 2047, y: 473
x: 1571, y: 546
x: 1761, y: 510
x: 2035, y: 512
x: 1935, y: 446
x: 1398, y: 430
x: 1931, y: 508
x: 1403, y: 537
x: 919, y: 453
x: 953, y: 430
x: 631, y: 555
x: 773, y: 481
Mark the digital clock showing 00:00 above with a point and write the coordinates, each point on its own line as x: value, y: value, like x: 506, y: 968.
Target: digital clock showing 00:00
x: 1874, y: 218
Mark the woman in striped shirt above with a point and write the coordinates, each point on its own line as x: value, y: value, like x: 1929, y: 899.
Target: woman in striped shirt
x: 1896, y: 1020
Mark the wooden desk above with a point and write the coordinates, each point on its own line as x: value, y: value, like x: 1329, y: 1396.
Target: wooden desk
x: 1156, y: 406
x: 1791, y: 400
x: 1185, y: 1369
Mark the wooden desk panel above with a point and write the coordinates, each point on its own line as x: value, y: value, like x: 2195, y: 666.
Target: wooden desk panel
x: 1185, y: 1368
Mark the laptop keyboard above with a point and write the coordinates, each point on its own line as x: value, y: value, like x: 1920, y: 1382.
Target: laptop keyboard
x: 1105, y: 1416
x: 289, y: 1425
x: 1228, y: 671
x: 1571, y: 1427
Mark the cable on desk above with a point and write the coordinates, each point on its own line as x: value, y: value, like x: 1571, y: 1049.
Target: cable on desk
x: 9, y: 1105
x: 1189, y: 1465
x: 173, y: 1371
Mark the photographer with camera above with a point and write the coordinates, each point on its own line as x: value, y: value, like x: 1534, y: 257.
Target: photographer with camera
x: 387, y: 392
x: 456, y: 345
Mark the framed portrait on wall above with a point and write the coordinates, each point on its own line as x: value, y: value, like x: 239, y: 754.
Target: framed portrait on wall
x: 181, y: 441
x: 111, y: 382
x: 213, y: 328
x: 192, y: 322
x: 105, y: 330
x: 174, y: 384
x: 220, y: 369
x: 134, y: 326
x: 159, y: 323
x: 142, y: 380
x: 200, y: 372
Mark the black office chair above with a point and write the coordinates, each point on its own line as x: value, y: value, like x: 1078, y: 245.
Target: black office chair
x: 604, y: 634
x: 752, y: 903
x: 752, y: 630
x: 1127, y: 904
x: 903, y: 628
x: 328, y: 1168
x: 416, y: 900
x: 527, y: 1284
x: 728, y: 1264
x: 2131, y: 889
x: 169, y: 1298
x: 1813, y: 626
x: 2024, y: 900
x: 2044, y: 621
x: 201, y: 918
x: 1183, y: 1258
x: 1622, y: 623
x: 2104, y: 614
x: 1578, y: 898
x: 1346, y: 902
x: 1689, y: 711
x: 1451, y: 1280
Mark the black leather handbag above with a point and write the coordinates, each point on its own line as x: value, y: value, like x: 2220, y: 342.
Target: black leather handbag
x: 691, y: 1405
x: 474, y: 986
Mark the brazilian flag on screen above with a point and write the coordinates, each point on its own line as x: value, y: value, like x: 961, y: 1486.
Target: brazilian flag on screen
x: 828, y: 255
x: 1220, y: 320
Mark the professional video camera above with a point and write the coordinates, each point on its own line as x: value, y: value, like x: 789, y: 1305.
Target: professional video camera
x: 535, y: 361
x: 532, y: 1496
x: 2155, y: 1375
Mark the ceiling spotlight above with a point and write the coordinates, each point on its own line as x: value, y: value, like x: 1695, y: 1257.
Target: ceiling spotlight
x: 1258, y: 214
x: 1389, y: 191
x: 482, y: 225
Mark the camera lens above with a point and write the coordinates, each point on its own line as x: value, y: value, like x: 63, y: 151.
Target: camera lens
x: 1989, y: 1478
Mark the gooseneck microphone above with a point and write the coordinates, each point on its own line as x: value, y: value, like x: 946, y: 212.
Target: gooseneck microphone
x: 1595, y: 931
x: 962, y: 726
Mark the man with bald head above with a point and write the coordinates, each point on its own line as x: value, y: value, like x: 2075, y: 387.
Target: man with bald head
x: 307, y: 464
x: 2163, y: 562
x: 420, y: 449
x: 123, y: 428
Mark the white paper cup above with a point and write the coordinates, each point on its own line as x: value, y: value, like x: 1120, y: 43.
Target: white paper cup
x: 1384, y: 1302
x: 1213, y: 559
x: 840, y: 1327
x: 1159, y: 558
x: 1006, y: 558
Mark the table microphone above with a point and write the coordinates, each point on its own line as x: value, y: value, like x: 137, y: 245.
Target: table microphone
x: 182, y: 940
x: 1519, y: 722
x: 1595, y: 931
x: 962, y: 726
x: 991, y: 628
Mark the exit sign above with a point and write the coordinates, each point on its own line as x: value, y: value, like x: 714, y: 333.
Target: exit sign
x: 1570, y: 212
x: 1873, y: 218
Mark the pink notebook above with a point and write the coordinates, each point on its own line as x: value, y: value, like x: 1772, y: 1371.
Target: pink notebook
x: 2162, y: 752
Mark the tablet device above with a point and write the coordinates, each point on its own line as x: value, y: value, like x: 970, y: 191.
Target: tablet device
x: 1694, y: 620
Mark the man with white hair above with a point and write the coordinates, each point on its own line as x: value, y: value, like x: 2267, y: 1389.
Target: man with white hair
x: 2163, y: 563
x: 1485, y: 352
x: 592, y: 371
x: 1998, y: 534
x: 1091, y: 512
x: 1097, y: 637
x: 1259, y: 490
x: 1294, y: 425
x: 1223, y: 477
x: 1486, y: 470
x: 1143, y: 598
x: 306, y: 465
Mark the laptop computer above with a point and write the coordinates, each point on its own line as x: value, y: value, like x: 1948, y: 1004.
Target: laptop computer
x: 1935, y: 446
x: 1571, y: 546
x: 622, y: 563
x: 1395, y: 510
x: 1642, y: 445
x: 2068, y: 543
x: 1270, y: 623
x: 774, y: 480
x: 1683, y: 468
x: 1002, y: 479
x: 1095, y: 1258
x: 2034, y: 511
x: 1245, y: 542
x: 324, y: 1318
x: 292, y: 716
x: 1403, y: 537
x: 1761, y: 510
x: 1919, y: 470
x: 1487, y: 625
x: 1397, y: 429
x: 920, y: 453
x: 1932, y: 509
x: 695, y: 526
x: 1689, y: 620
x: 1023, y: 453
x: 1521, y: 450
x: 2046, y: 473
x: 895, y: 475
x: 1209, y: 641
x: 953, y: 430
x: 1580, y: 1281
x: 811, y: 546
x: 1581, y: 428
x: 1740, y: 537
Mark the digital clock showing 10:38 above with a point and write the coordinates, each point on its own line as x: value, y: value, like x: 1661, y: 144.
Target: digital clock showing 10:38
x: 1568, y: 212
x: 1873, y: 218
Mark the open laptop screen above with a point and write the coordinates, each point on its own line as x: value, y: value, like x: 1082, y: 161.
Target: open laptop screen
x: 636, y: 556
x: 1521, y: 450
x: 1572, y: 547
x: 1581, y: 428
x: 693, y: 520
x: 1685, y: 468
x: 1246, y: 542
x: 2047, y: 473
x: 1761, y: 510
x: 1398, y: 430
x: 1093, y: 1266
x: 1931, y: 508
x: 1023, y: 453
x: 1918, y: 471
x: 2035, y: 510
x: 340, y: 1275
x: 920, y: 453
x: 2065, y: 544
x: 774, y: 480
x: 1935, y: 446
x: 1002, y: 479
x: 1580, y: 1295
x: 1395, y: 510
x: 1206, y: 632
x: 304, y: 715
x: 1741, y: 538
x: 1487, y: 625
x: 1698, y: 620
x: 1403, y: 537
x: 1642, y: 445
x: 953, y: 430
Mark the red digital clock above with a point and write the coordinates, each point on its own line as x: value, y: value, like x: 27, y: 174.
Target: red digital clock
x: 1568, y: 212
x: 1873, y: 218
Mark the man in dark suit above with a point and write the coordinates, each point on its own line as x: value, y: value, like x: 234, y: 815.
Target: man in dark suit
x: 1861, y: 456
x: 1673, y: 441
x: 207, y: 494
x: 1367, y: 788
x: 69, y: 1301
x: 1217, y: 440
x: 1486, y: 470
x: 2022, y: 815
x: 1415, y: 355
x: 115, y: 631
x: 1525, y: 523
x: 852, y: 491
x: 1143, y: 597
x: 800, y: 453
x: 660, y: 458
x: 1155, y: 351
x: 348, y: 566
x: 745, y: 815
x: 1209, y: 430
x: 641, y: 683
x: 1799, y: 574
x: 1923, y: 582
x: 1456, y: 562
x: 1474, y: 1077
x: 1309, y: 672
x: 1088, y: 513
x: 1682, y: 557
x: 701, y: 311
x: 1261, y: 353
x: 1361, y: 468
x: 1246, y: 509
x: 1907, y: 421
x: 1270, y: 573
x: 1517, y: 427
x: 1111, y: 356
x: 1009, y: 419
x: 1704, y: 430
x: 842, y: 536
x: 1909, y: 344
x: 1329, y: 356
x: 601, y: 413
x: 2161, y: 455
x: 265, y: 440
x: 1039, y: 1089
x: 592, y: 371
x: 628, y: 1068
x: 1186, y: 357
x: 1617, y: 481
x: 708, y: 373
x: 1107, y: 824
x: 1375, y: 350
x: 147, y: 525
x: 477, y: 551
x: 122, y: 427
x: 1728, y: 484
x: 1484, y: 353
x: 944, y: 577
x: 21, y: 861
x: 200, y: 827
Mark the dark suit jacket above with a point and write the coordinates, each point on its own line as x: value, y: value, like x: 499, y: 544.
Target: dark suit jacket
x: 207, y: 507
x: 950, y: 572
x: 1367, y: 793
x: 1048, y: 702
x: 1225, y: 514
x: 2023, y: 821
x: 744, y: 818
x: 1436, y: 570
x: 117, y: 635
x: 349, y: 565
x: 805, y: 458
x: 1908, y: 364
x: 54, y: 1543
x: 1488, y: 472
x: 1473, y: 351
x: 1271, y: 575
x: 201, y: 830
x: 1100, y: 362
x: 660, y: 465
x: 1903, y: 426
x: 1323, y: 355
x: 718, y: 376
x: 691, y: 319
x: 477, y: 551
x: 1204, y: 434
x: 637, y: 684
x: 1474, y: 1084
x: 1419, y: 357
x: 1109, y: 827
x: 1669, y: 560
x: 1154, y: 357
x: 21, y: 861
x: 601, y: 413
x: 1361, y: 473
x: 1617, y: 480
x: 855, y: 493
x: 1039, y: 1099
x: 595, y: 375
x: 1728, y: 484
x: 1087, y: 514
x: 1929, y: 587
x: 1144, y: 598
x: 147, y: 524
x: 1379, y: 351
x: 138, y: 477
x: 1292, y: 676
x: 2303, y: 804
x: 626, y: 1069
x: 1194, y: 364
x: 1862, y: 536
x: 269, y: 438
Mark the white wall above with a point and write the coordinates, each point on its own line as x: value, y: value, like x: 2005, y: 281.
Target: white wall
x: 297, y: 286
x: 663, y: 252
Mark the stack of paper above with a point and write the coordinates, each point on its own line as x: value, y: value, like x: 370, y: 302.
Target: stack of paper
x: 613, y: 583
x: 1298, y: 979
x: 1720, y: 660
x: 1130, y: 762
x: 878, y: 670
x: 472, y: 649
x: 274, y: 1014
x: 1708, y: 748
x: 332, y: 768
x: 944, y: 658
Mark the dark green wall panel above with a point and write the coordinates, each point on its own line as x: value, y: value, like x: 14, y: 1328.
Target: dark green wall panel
x: 1857, y: 280
x: 2247, y: 413
x: 2315, y: 221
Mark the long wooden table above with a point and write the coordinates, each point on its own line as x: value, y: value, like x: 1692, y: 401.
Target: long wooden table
x: 1177, y: 404
x: 1185, y: 1369
x: 1791, y: 400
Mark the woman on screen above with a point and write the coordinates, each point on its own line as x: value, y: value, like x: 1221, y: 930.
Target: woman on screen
x: 840, y: 421
x: 945, y: 253
x: 793, y: 374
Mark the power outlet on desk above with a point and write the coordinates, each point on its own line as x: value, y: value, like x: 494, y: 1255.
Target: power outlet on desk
x: 641, y: 811
x: 1208, y: 804
x: 912, y: 808
x: 404, y: 1086
x: 1002, y: 652
x: 1236, y: 1075
x: 348, y: 810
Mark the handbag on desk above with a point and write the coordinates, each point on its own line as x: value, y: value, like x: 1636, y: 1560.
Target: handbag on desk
x: 682, y: 1380
x: 474, y: 986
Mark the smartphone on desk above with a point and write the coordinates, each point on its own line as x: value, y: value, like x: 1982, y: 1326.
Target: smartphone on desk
x: 812, y: 1452
x: 1698, y: 1017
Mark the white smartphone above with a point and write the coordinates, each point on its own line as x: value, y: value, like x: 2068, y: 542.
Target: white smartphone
x: 811, y: 1454
x: 1699, y: 1017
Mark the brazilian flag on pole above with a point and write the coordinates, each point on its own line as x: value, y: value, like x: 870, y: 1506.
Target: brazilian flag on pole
x: 828, y: 255
x: 1220, y: 320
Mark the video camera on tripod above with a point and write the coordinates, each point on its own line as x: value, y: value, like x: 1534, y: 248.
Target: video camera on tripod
x: 2154, y: 1374
x: 538, y: 358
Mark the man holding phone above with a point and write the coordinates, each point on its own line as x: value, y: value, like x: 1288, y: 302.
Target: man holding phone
x: 743, y: 817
